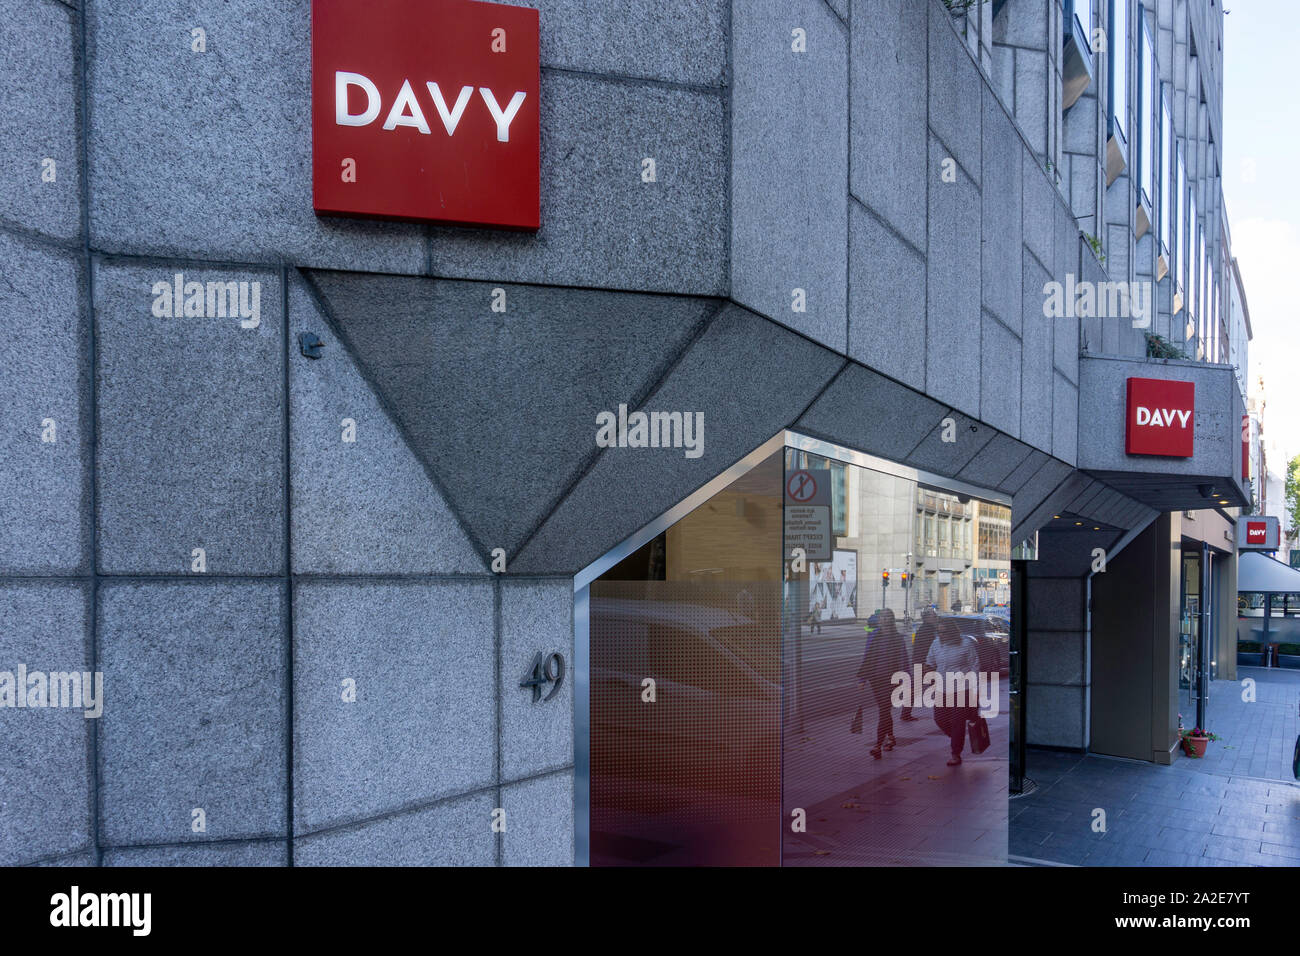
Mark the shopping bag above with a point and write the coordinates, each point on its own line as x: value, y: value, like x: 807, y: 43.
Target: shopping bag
x: 979, y: 735
x: 856, y: 726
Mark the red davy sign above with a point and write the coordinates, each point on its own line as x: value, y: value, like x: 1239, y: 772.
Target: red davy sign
x: 1245, y: 447
x: 426, y: 110
x: 1161, y: 418
x: 1256, y: 532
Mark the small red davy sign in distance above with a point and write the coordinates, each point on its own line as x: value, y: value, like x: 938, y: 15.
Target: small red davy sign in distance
x: 426, y: 110
x: 1161, y: 418
x: 1256, y: 532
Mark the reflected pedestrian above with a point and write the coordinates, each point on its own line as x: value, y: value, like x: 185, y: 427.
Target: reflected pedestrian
x: 883, y: 656
x: 952, y: 655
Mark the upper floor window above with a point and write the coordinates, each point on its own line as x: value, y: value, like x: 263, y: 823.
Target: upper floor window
x: 1146, y: 112
x: 1216, y: 325
x: 1202, y: 289
x: 1117, y: 50
x: 1166, y: 171
x: 1180, y: 225
x: 1077, y: 59
x: 1083, y: 14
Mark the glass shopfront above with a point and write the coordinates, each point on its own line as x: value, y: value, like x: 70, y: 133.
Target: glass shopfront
x: 790, y: 669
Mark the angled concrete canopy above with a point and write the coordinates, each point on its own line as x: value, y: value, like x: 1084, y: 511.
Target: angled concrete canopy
x: 501, y: 408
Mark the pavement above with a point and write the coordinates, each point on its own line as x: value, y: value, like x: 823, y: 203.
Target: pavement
x: 1237, y: 806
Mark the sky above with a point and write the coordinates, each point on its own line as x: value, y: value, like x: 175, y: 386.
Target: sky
x: 1261, y: 145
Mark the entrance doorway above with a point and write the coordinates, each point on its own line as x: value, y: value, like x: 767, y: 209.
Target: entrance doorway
x: 751, y: 674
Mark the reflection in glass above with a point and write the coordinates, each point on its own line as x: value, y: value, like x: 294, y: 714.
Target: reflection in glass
x: 749, y: 710
x: 685, y: 696
x: 864, y: 768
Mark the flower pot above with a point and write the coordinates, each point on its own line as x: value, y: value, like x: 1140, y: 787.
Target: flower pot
x: 1195, y: 746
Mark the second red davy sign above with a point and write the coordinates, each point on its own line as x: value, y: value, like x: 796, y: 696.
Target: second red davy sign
x: 426, y: 110
x: 1161, y: 418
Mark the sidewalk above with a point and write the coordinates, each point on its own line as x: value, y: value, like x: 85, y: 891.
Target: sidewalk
x: 1239, y: 806
x: 908, y: 807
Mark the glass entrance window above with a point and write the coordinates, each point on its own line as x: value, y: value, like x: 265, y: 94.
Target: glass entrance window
x: 684, y: 686
x: 770, y: 682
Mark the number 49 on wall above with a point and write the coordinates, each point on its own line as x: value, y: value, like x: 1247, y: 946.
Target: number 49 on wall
x: 549, y: 672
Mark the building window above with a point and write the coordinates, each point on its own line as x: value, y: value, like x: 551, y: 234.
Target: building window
x: 1180, y: 226
x: 1166, y: 171
x: 1200, y: 284
x: 1077, y: 59
x: 1193, y: 305
x: 1083, y: 17
x: 1146, y: 163
x: 1118, y: 53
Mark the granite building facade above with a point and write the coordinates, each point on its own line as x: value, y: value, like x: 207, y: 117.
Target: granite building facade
x: 383, y: 483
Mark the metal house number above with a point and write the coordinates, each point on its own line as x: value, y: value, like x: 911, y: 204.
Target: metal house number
x: 549, y: 672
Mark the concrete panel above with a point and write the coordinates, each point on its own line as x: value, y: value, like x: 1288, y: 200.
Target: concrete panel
x: 539, y: 816
x: 1053, y: 503
x: 952, y: 339
x: 245, y: 107
x: 269, y: 853
x: 1027, y: 499
x: 1108, y: 507
x: 1023, y: 472
x: 1092, y: 329
x: 423, y: 724
x: 44, y: 520
x: 1080, y: 503
x: 42, y: 90
x: 1069, y: 246
x: 83, y: 859
x: 789, y: 138
x: 728, y: 376
x: 886, y: 300
x: 1039, y: 201
x: 1036, y: 361
x: 864, y: 410
x: 502, y: 406
x: 601, y: 224
x: 950, y: 457
x: 956, y: 92
x: 689, y: 38
x: 191, y: 411
x: 1026, y: 24
x: 194, y: 714
x: 1057, y: 657
x: 536, y: 617
x: 1031, y: 106
x: 1054, y: 716
x: 366, y: 506
x: 1065, y: 550
x: 995, y: 462
x: 1065, y: 419
x: 1000, y: 368
x: 1000, y: 196
x: 1055, y: 604
x: 45, y: 775
x: 1217, y: 442
x: 451, y: 833
x: 888, y: 76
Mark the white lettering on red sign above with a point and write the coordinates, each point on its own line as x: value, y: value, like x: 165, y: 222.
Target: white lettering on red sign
x: 1162, y: 417
x: 406, y: 110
